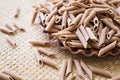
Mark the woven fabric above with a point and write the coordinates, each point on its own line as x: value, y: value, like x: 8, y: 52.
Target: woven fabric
x: 23, y: 60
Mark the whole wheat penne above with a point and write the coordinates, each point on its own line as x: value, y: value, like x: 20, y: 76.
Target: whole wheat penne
x: 97, y: 1
x: 40, y: 43
x: 114, y: 2
x: 61, y: 33
x: 43, y: 10
x: 78, y: 68
x: 86, y: 69
x: 44, y: 6
x: 69, y: 20
x: 102, y: 72
x: 50, y: 16
x: 57, y: 27
x: 111, y: 40
x: 100, y: 29
x: 71, y: 27
x: 112, y: 13
x: 64, y: 20
x: 14, y: 75
x: 96, y: 21
x: 63, y: 70
x: 91, y: 34
x: 84, y: 32
x: 76, y: 20
x: 116, y: 77
x: 58, y: 4
x: 101, y: 10
x: 90, y: 17
x: 81, y: 38
x: 17, y: 13
x: 50, y: 24
x: 61, y: 44
x: 49, y: 62
x: 71, y: 16
x: 69, y: 66
x: 11, y: 27
x: 68, y: 37
x: 7, y: 31
x: 5, y: 77
x: 78, y: 4
x: 11, y: 42
x: 107, y: 48
x: 58, y: 19
x: 39, y: 59
x: 53, y: 30
x: 85, y: 14
x: 103, y: 36
x: 112, y: 26
x: 18, y: 26
x: 98, y: 6
x: 110, y: 34
x: 117, y: 35
x: 34, y: 15
x: 77, y: 11
x: 42, y: 50
x: 70, y: 77
x: 69, y: 8
x: 75, y: 44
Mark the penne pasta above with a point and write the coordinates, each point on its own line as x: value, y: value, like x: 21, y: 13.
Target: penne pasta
x: 86, y: 69
x: 110, y: 34
x: 107, y: 48
x: 34, y: 15
x: 17, y: 13
x: 5, y: 77
x: 6, y: 31
x: 81, y: 38
x: 58, y: 4
x: 11, y: 42
x: 39, y: 43
x: 78, y: 4
x: 102, y: 72
x: 72, y: 16
x: 43, y: 51
x: 77, y: 11
x: 58, y: 19
x: 61, y: 33
x: 39, y: 59
x: 114, y: 2
x: 63, y: 70
x: 100, y: 29
x: 14, y: 75
x: 64, y: 20
x: 75, y: 44
x: 69, y: 66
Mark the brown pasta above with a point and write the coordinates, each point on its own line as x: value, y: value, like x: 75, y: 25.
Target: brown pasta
x: 11, y: 42
x: 34, y: 15
x: 14, y: 75
x: 63, y: 70
x: 69, y: 66
x: 41, y: 50
x: 17, y: 13
x: 6, y: 31
x: 77, y: 11
x: 102, y: 72
x: 110, y: 34
x: 5, y: 77
x: 39, y: 43
x: 78, y: 4
x: 75, y: 44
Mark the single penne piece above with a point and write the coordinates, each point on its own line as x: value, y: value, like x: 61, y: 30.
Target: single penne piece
x: 43, y: 10
x: 110, y: 34
x: 102, y: 72
x: 6, y: 31
x: 58, y: 19
x: 64, y: 20
x: 116, y: 77
x: 11, y: 27
x: 40, y: 43
x: 42, y: 17
x: 91, y: 34
x: 49, y: 62
x: 107, y: 48
x: 101, y: 10
x: 17, y: 13
x: 103, y: 36
x: 52, y: 30
x: 86, y: 69
x: 78, y: 4
x: 114, y: 2
x: 68, y: 8
x: 84, y: 32
x: 43, y: 51
x: 50, y: 16
x: 68, y: 37
x: 61, y: 33
x: 76, y: 20
x: 77, y: 11
x: 79, y: 69
x: 14, y: 75
x: 63, y: 70
x: 85, y: 14
x: 58, y: 4
x: 75, y: 44
x: 5, y: 77
x: 70, y: 77
x: 96, y: 21
x: 69, y: 66
x: 18, y: 26
x: 50, y: 24
x: 108, y: 41
x: 81, y: 38
x: 109, y: 24
x: 57, y: 27
x: 100, y: 29
x: 90, y: 17
x: 11, y: 42
x: 34, y: 15
x: 71, y: 16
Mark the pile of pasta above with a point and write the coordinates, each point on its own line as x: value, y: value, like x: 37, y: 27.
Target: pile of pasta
x: 88, y: 27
